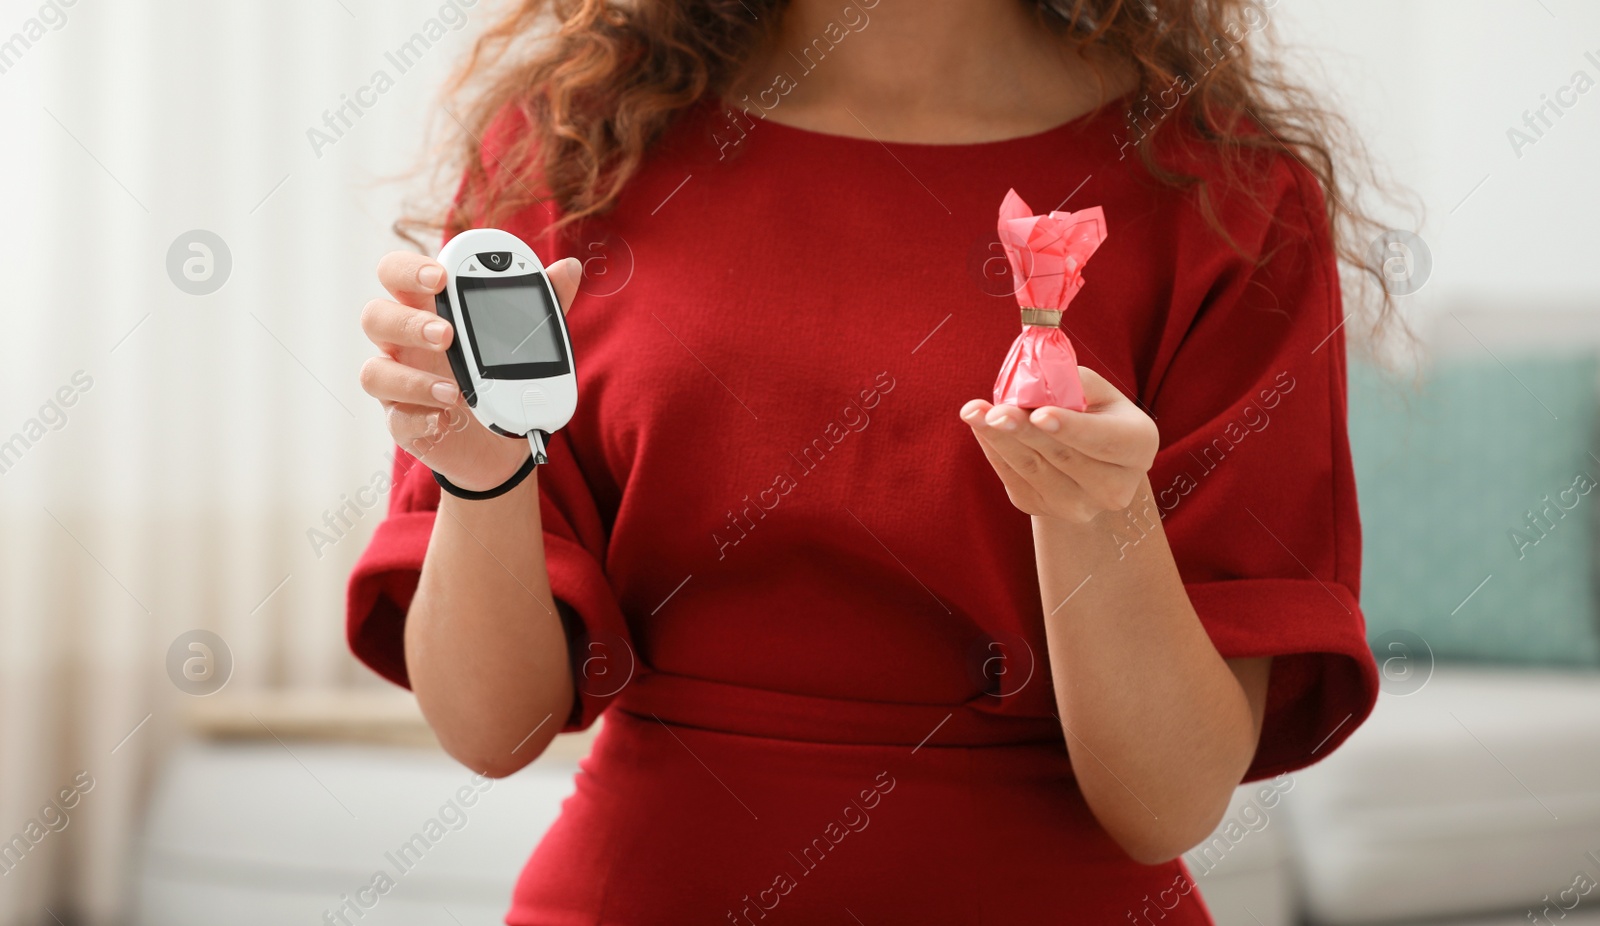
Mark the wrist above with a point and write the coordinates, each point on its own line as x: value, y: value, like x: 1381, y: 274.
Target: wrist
x: 522, y: 463
x: 1066, y: 528
x: 512, y: 515
x: 1114, y: 531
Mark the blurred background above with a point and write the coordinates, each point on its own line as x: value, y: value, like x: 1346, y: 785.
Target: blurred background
x: 188, y: 470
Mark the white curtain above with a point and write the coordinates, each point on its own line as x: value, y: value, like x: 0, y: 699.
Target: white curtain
x: 208, y: 434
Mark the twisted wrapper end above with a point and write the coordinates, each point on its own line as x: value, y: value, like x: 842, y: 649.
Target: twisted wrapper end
x: 1044, y: 318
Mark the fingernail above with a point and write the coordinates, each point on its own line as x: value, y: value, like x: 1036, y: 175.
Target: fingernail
x: 1045, y: 422
x: 430, y: 276
x: 446, y: 392
x: 435, y: 331
x: 1000, y: 422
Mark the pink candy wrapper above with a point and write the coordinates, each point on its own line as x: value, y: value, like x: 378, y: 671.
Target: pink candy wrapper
x: 1047, y: 254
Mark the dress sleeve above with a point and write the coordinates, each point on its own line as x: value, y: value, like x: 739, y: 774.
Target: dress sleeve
x: 1254, y: 480
x: 385, y: 579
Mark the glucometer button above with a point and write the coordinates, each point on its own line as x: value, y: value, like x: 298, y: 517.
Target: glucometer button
x: 495, y: 260
x: 534, y: 397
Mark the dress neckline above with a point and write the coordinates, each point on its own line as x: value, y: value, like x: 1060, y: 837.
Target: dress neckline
x: 1109, y: 106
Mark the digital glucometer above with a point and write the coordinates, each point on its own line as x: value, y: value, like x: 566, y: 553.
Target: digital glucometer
x: 511, y: 354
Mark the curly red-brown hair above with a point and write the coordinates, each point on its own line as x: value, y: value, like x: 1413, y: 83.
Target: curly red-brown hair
x: 596, y: 82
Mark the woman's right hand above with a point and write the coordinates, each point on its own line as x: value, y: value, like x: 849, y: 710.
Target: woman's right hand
x: 413, y: 381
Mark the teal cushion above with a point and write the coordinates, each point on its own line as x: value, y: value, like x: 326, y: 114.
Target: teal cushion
x: 1448, y: 478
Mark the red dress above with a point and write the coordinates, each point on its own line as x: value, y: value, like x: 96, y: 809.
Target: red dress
x: 797, y: 584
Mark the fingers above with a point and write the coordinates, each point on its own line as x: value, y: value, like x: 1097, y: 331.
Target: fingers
x: 996, y: 428
x: 411, y: 278
x: 1021, y: 492
x: 413, y: 427
x: 565, y: 275
x: 1113, y: 429
x: 418, y: 430
x: 1040, y: 491
x: 1119, y: 433
x: 1042, y: 432
x: 1074, y: 481
x: 388, y: 380
x: 1110, y: 484
x: 392, y: 326
x: 1075, y: 463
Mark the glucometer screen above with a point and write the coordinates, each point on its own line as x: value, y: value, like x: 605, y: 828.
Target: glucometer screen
x: 514, y: 327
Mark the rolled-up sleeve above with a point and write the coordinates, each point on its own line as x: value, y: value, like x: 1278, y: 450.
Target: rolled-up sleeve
x: 1255, y: 484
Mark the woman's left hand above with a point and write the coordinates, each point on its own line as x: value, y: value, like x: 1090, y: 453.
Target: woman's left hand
x: 1059, y: 463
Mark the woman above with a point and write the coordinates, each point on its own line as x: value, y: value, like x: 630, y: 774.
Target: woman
x: 873, y: 650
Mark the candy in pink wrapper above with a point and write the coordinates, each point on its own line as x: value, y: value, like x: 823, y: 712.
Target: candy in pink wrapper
x: 1047, y: 254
